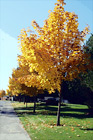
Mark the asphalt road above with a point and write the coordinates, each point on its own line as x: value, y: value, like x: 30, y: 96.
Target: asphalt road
x: 10, y: 125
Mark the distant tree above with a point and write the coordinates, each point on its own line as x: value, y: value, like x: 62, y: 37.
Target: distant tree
x: 9, y: 93
x: 88, y: 78
x: 2, y: 93
x: 89, y: 45
x: 81, y: 90
x: 17, y: 86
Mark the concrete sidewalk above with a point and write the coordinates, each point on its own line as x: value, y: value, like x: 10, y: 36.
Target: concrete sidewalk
x: 10, y: 126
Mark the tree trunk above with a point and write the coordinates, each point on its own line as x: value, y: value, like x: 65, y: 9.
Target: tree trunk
x: 26, y: 104
x: 24, y: 100
x: 34, y: 105
x: 59, y: 106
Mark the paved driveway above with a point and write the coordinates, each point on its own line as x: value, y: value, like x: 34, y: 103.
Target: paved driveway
x: 10, y: 126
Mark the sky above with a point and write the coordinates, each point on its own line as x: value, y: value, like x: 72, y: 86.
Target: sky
x: 18, y: 14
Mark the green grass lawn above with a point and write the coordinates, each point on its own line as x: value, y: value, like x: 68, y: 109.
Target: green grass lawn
x: 75, y: 124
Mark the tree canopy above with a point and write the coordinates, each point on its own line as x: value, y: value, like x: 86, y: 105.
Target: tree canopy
x: 55, y: 53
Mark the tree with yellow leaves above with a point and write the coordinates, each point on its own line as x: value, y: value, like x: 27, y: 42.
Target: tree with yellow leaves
x: 17, y: 86
x: 2, y: 93
x: 55, y: 53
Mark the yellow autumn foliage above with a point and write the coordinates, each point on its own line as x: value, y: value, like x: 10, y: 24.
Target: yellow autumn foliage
x: 55, y: 53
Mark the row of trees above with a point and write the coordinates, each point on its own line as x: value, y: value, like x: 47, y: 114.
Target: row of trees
x: 50, y: 56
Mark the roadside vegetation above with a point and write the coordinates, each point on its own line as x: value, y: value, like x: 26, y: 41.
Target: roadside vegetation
x: 75, y: 123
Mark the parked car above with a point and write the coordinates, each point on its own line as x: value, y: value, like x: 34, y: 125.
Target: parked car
x: 51, y: 101
x: 40, y: 100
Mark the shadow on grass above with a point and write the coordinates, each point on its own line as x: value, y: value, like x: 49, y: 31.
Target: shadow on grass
x: 43, y: 109
x: 87, y: 129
